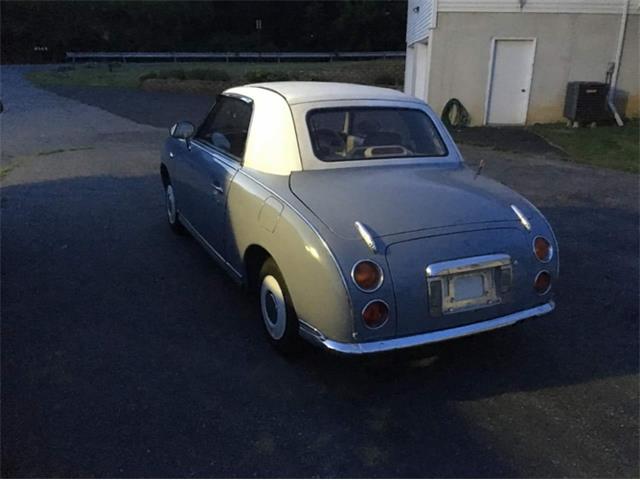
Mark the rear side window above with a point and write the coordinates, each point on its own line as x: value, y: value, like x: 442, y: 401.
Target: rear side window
x: 226, y: 127
x: 343, y: 134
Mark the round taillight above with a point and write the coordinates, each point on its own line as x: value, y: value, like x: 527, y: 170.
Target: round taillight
x: 542, y: 249
x: 375, y: 314
x: 542, y: 282
x: 367, y: 275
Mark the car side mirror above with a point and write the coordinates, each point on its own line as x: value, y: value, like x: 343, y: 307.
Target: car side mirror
x: 183, y: 131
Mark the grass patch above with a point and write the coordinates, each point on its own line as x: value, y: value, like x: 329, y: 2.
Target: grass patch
x: 370, y: 72
x: 63, y: 150
x: 606, y: 146
x: 8, y: 167
x: 5, y: 170
x: 257, y: 76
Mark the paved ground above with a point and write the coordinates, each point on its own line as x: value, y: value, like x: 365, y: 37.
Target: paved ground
x: 127, y: 352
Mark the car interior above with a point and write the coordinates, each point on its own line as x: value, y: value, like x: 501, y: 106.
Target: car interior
x: 352, y: 134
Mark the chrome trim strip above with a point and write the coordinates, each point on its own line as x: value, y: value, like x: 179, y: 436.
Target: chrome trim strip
x: 365, y: 307
x: 430, y: 337
x: 523, y: 220
x: 238, y: 96
x: 550, y: 282
x: 207, y: 246
x: 380, y: 282
x: 218, y: 155
x: 309, y: 332
x: 460, y: 265
x: 366, y: 236
x: 533, y: 246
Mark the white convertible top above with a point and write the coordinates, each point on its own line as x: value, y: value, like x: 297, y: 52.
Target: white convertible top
x: 305, y: 92
x: 274, y: 144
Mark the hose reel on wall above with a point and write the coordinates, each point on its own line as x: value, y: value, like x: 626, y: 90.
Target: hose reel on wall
x: 454, y: 114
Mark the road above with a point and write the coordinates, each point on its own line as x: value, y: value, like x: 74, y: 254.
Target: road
x: 127, y: 352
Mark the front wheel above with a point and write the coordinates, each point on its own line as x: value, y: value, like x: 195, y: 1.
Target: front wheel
x: 172, y: 212
x: 278, y: 316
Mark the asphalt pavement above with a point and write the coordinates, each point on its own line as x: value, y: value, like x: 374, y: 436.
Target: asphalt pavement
x: 127, y: 352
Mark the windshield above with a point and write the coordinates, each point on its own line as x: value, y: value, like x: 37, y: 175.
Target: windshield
x: 342, y: 134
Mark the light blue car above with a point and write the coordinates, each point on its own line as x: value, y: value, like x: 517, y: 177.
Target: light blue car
x: 350, y: 212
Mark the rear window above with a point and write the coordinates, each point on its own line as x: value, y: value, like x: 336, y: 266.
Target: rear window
x: 342, y: 134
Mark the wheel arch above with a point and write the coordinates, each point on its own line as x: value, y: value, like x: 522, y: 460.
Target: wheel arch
x: 164, y: 175
x: 254, y: 257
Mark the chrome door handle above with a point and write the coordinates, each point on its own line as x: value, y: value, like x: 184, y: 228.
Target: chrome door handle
x: 217, y: 188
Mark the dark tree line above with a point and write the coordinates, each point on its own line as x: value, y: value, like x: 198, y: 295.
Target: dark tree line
x: 353, y: 25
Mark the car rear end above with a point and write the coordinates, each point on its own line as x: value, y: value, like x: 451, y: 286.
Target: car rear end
x: 464, y: 276
x: 453, y: 282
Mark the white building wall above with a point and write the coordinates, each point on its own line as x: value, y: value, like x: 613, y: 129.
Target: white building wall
x: 421, y: 76
x: 569, y: 47
x: 409, y: 69
x: 576, y: 40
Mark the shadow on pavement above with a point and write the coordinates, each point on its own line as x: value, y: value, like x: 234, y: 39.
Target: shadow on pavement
x: 512, y: 139
x: 127, y: 352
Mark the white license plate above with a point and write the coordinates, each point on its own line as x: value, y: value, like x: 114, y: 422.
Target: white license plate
x: 469, y: 291
x: 468, y: 286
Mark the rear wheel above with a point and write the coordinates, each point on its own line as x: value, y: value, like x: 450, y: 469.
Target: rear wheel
x: 172, y: 212
x: 278, y: 316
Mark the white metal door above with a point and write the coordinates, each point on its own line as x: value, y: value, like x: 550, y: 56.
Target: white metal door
x: 510, y: 73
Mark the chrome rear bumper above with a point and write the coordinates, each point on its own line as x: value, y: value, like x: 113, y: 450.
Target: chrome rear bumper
x: 314, y: 336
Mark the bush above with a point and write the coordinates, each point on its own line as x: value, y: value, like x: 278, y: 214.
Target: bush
x: 175, y: 74
x: 209, y: 75
x: 147, y: 76
x: 257, y: 76
x: 387, y: 79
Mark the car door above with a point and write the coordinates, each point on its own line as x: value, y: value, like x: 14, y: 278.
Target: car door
x: 207, y: 170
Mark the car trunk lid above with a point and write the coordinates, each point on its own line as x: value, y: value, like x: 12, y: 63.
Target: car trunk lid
x: 396, y: 199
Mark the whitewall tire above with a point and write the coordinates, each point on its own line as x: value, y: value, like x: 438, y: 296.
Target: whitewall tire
x: 172, y: 211
x: 276, y: 310
x: 273, y: 307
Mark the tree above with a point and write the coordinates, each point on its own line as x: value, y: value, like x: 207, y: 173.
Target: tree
x: 354, y: 25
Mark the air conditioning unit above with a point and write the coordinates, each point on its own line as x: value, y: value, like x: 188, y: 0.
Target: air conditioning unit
x: 586, y: 102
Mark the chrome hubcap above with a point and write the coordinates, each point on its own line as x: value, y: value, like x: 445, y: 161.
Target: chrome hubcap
x: 273, y: 307
x: 171, y: 204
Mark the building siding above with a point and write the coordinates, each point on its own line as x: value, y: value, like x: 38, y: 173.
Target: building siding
x: 420, y: 19
x: 538, y: 6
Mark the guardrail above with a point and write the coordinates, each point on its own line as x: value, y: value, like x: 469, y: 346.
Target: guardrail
x: 227, y: 56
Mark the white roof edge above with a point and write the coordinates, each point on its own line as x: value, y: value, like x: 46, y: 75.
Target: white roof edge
x: 538, y: 6
x: 311, y: 92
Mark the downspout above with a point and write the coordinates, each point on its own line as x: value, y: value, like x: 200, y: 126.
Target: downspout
x: 616, y: 68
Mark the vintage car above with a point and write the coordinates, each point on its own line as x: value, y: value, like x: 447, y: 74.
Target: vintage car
x: 350, y: 211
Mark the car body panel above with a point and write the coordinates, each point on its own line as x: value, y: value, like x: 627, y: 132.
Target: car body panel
x: 394, y: 199
x: 303, y: 257
x: 207, y: 177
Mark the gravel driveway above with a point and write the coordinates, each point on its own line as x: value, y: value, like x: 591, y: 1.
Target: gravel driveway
x: 127, y: 352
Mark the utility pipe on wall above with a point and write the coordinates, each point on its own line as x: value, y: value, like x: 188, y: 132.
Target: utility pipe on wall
x: 616, y: 69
